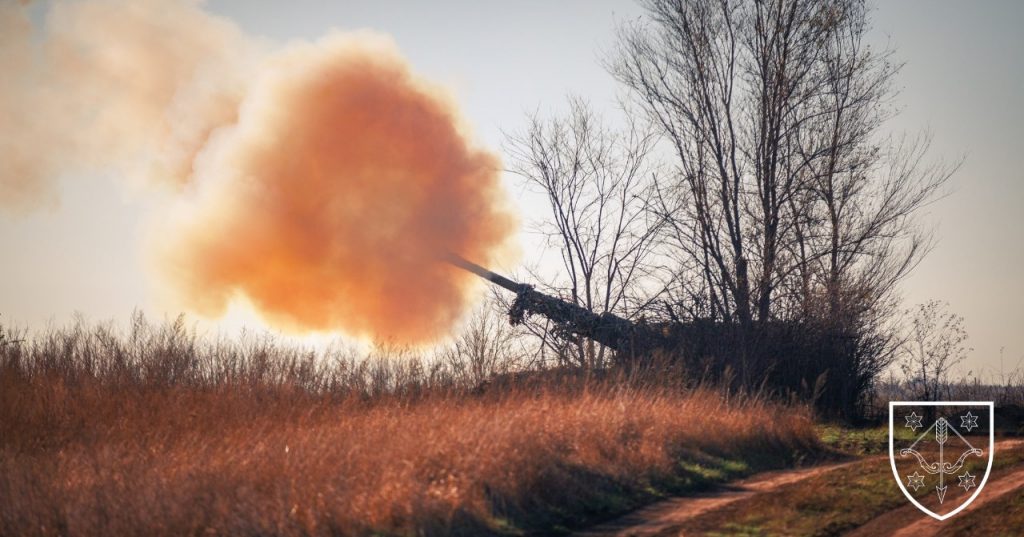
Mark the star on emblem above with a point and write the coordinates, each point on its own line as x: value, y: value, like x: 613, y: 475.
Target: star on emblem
x: 915, y: 481
x: 913, y: 421
x: 967, y: 481
x: 970, y: 421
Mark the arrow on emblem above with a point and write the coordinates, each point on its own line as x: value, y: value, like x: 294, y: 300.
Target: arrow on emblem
x: 941, y: 435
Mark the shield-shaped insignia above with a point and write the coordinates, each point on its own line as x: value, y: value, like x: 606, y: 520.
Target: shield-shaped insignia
x: 941, y: 452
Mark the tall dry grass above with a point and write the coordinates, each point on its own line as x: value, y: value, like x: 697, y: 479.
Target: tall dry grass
x: 157, y: 432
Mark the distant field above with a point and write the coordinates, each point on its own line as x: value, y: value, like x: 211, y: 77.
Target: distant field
x: 157, y: 433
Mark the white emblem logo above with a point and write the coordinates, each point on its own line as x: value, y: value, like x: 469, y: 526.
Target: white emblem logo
x: 935, y: 444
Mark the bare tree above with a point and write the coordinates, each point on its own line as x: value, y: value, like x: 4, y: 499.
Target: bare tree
x: 789, y: 202
x: 486, y: 346
x: 726, y: 82
x: 785, y: 189
x: 597, y: 181
x: 935, y: 345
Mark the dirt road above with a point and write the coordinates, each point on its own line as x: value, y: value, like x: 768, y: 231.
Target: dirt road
x: 669, y: 517
x: 660, y: 517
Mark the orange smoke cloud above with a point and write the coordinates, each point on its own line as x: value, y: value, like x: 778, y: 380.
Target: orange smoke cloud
x: 330, y: 202
x: 320, y: 184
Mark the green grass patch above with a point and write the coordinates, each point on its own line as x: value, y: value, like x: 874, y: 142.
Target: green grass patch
x: 859, y: 441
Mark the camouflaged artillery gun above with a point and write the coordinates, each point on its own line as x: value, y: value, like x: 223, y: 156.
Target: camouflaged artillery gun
x: 571, y: 321
x: 795, y: 358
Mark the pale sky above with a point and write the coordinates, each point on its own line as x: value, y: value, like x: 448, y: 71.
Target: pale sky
x: 963, y: 80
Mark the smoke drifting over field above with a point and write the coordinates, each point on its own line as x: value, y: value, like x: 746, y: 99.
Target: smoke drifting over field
x: 319, y: 181
x: 130, y: 86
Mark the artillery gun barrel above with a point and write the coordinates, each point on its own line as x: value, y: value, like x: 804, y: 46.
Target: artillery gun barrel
x: 570, y: 319
x: 492, y: 277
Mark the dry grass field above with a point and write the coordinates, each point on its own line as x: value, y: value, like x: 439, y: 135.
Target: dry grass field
x: 156, y: 432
